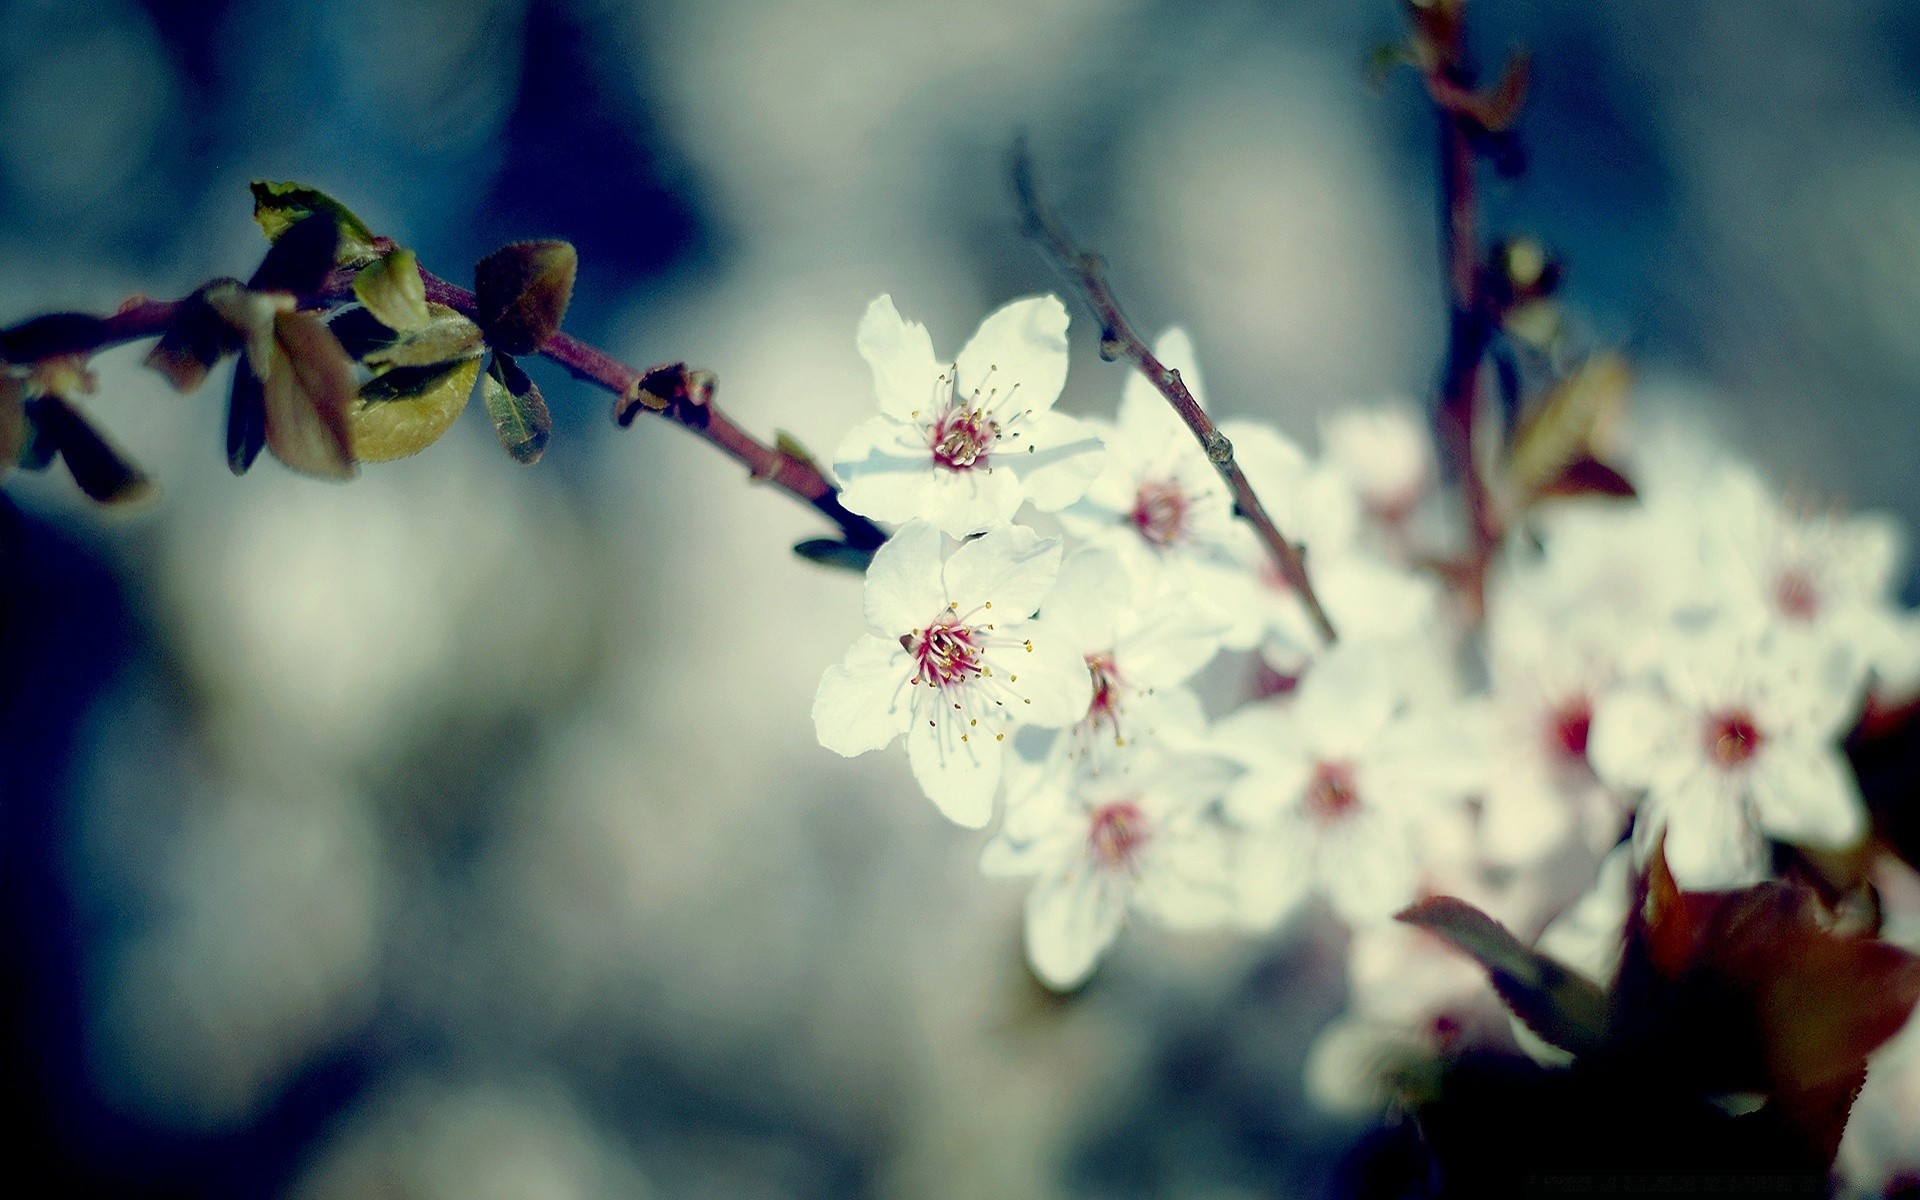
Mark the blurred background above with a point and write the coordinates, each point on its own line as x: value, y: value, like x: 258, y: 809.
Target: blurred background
x: 461, y: 832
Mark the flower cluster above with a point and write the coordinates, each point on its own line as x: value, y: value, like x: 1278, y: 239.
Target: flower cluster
x: 1675, y: 668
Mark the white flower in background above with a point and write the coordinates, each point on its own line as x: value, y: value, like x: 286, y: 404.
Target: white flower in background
x: 1387, y: 452
x: 1134, y: 836
x: 1162, y: 505
x: 1140, y: 643
x: 1818, y: 575
x: 1343, y: 777
x: 953, y: 661
x: 962, y: 444
x: 1737, y: 742
x: 1367, y: 598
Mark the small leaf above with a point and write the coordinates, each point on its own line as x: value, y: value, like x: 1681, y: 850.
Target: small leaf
x: 1562, y: 1006
x: 661, y: 388
x: 1589, y: 477
x: 519, y: 413
x: 194, y: 341
x: 1573, y: 421
x: 246, y: 418
x: 102, y: 472
x: 446, y: 337
x: 308, y: 390
x: 299, y: 259
x: 407, y: 409
x: 279, y: 206
x: 360, y: 332
x: 832, y: 552
x: 393, y: 291
x: 521, y: 291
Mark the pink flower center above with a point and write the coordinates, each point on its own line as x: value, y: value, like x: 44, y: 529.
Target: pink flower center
x: 1568, y: 727
x: 1795, y: 594
x: 944, y: 653
x: 962, y: 437
x: 1332, y: 794
x: 1160, y: 512
x: 1116, y: 833
x: 1105, y: 709
x: 1732, y: 738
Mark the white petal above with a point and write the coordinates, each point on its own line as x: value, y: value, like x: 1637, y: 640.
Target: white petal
x: 958, y: 776
x: 1144, y: 412
x: 884, y: 465
x: 1071, y: 920
x: 1053, y: 683
x: 1276, y: 870
x: 1018, y: 359
x: 905, y: 373
x: 1347, y: 699
x: 863, y: 702
x: 1710, y: 844
x: 1368, y: 869
x: 1186, y: 882
x: 1634, y: 733
x: 1056, y: 456
x: 1807, y: 795
x: 1091, y: 591
x: 1173, y: 638
x: 1011, y: 567
x: 904, y: 589
x: 964, y: 502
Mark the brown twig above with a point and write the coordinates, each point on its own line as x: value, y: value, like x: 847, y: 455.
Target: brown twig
x: 140, y: 318
x: 1118, y: 340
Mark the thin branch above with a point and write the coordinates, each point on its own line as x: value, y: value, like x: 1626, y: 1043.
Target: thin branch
x: 1118, y: 340
x: 688, y: 406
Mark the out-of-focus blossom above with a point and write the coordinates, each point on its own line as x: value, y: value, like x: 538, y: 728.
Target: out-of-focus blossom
x: 954, y: 662
x: 961, y: 444
x: 1386, y: 451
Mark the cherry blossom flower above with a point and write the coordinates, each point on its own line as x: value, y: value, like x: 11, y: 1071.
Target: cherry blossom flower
x: 1131, y: 835
x: 1161, y: 504
x: 1387, y: 452
x: 954, y: 661
x: 1736, y: 742
x: 961, y: 444
x: 1343, y: 775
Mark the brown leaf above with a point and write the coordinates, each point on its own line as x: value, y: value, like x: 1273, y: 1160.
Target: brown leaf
x: 194, y: 341
x: 299, y: 259
x: 102, y: 472
x: 246, y: 418
x: 308, y: 390
x: 521, y: 292
x: 1571, y: 422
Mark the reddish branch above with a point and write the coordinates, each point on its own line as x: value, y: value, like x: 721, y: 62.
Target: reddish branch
x: 1118, y: 340
x: 687, y: 406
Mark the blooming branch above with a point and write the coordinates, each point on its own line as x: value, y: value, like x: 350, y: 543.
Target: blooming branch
x: 1118, y: 340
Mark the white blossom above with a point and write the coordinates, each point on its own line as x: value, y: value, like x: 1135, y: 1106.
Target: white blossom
x: 1130, y: 834
x: 1386, y: 451
x: 954, y: 661
x: 961, y: 444
x: 1736, y: 742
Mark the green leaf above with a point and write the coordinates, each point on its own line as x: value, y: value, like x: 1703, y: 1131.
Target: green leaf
x: 1563, y: 1007
x: 519, y: 413
x: 832, y: 552
x: 521, y: 291
x: 277, y: 207
x: 393, y: 291
x: 407, y: 409
x: 246, y: 418
x: 309, y: 389
x: 102, y: 472
x: 446, y: 337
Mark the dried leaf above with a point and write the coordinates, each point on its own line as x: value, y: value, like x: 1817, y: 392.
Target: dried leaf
x: 393, y: 291
x: 407, y: 409
x: 194, y: 340
x: 309, y: 389
x: 1573, y: 421
x: 279, y: 206
x: 1562, y: 1006
x: 519, y: 413
x: 521, y: 291
x: 661, y: 388
x: 299, y: 259
x: 1589, y: 477
x: 246, y: 418
x: 102, y: 472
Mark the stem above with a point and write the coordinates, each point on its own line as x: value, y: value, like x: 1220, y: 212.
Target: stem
x: 1118, y: 340
x: 791, y: 473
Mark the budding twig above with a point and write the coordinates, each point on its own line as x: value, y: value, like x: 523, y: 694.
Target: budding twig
x: 1118, y: 340
x: 44, y: 338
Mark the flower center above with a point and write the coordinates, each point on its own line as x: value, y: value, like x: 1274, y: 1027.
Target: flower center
x: 1732, y: 738
x: 1116, y: 833
x: 1568, y: 727
x: 1160, y: 512
x: 1105, y: 709
x: 944, y: 653
x: 1332, y: 794
x: 962, y: 437
x: 1795, y: 594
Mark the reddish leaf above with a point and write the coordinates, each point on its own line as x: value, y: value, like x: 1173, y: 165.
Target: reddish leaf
x: 1563, y: 1007
x: 521, y: 292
